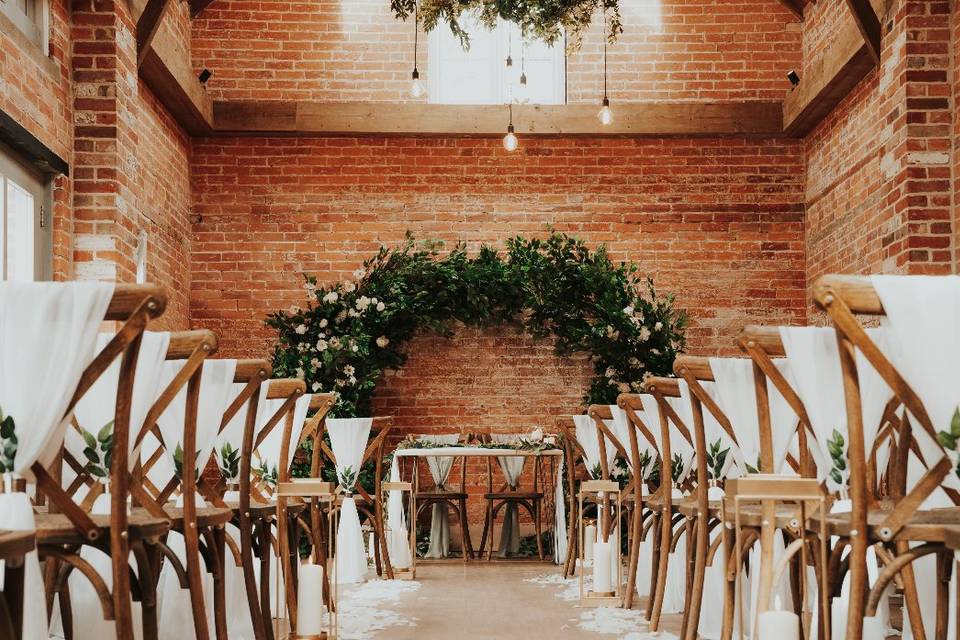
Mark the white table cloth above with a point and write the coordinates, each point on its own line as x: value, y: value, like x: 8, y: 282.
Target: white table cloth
x: 48, y: 336
x: 440, y: 471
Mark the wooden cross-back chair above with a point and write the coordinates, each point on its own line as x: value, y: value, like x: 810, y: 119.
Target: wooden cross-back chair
x: 763, y: 344
x: 672, y: 518
x: 892, y: 526
x: 451, y: 498
x: 67, y: 525
x: 370, y: 507
x: 289, y: 520
x: 202, y: 528
x: 531, y: 500
x: 574, y: 458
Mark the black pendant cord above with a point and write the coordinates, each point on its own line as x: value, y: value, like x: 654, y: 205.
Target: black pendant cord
x: 416, y: 34
x: 604, y: 53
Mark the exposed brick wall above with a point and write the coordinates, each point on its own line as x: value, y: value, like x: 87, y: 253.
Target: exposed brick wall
x: 718, y: 222
x: 356, y: 50
x: 878, y: 193
x: 35, y: 91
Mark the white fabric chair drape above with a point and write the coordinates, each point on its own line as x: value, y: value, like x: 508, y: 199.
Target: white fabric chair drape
x: 400, y: 555
x: 512, y: 468
x: 439, y: 467
x: 94, y: 411
x: 348, y: 439
x: 587, y: 436
x: 679, y: 445
x: 48, y: 335
x: 216, y: 385
x: 922, y: 315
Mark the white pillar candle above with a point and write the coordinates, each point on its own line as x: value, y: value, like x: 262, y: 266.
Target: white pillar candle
x: 778, y: 625
x: 399, y: 549
x: 310, y: 600
x: 371, y: 541
x: 589, y: 539
x: 601, y: 567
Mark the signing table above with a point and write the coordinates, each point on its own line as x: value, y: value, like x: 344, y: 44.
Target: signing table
x: 555, y: 456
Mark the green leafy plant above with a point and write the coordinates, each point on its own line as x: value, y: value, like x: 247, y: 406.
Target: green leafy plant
x: 229, y: 459
x: 676, y: 468
x: 949, y: 439
x: 8, y: 443
x: 268, y: 475
x: 753, y: 468
x: 547, y: 20
x: 716, y: 460
x: 351, y: 332
x: 839, y: 467
x: 643, y: 462
x: 348, y: 477
x: 98, y: 451
x: 178, y: 462
x: 596, y: 471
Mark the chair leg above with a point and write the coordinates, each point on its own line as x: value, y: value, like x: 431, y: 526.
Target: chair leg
x: 538, y: 528
x: 266, y: 550
x: 666, y: 536
x: 148, y: 587
x: 911, y: 600
x: 493, y: 527
x: 218, y: 536
x: 656, y: 531
x: 250, y: 579
x: 464, y: 530
x: 483, y: 536
x: 944, y: 568
x: 729, y: 583
x: 699, y: 575
x: 690, y: 536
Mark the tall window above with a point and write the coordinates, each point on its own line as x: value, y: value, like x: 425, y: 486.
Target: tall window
x: 481, y: 75
x: 26, y: 244
x: 30, y: 16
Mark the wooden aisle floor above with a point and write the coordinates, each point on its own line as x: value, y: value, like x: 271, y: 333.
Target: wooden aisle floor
x: 493, y: 600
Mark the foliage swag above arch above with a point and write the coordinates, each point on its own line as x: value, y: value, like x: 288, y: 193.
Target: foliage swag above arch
x: 350, y: 332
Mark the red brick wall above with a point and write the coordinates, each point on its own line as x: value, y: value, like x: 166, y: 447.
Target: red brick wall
x: 718, y: 222
x: 356, y: 50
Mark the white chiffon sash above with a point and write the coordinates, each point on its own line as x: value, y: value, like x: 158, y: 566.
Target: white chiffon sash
x: 587, y: 435
x: 348, y: 439
x: 48, y: 334
x: 400, y: 556
x: 439, y: 467
x: 679, y: 445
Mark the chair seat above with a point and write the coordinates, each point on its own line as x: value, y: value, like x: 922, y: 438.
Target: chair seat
x: 924, y: 526
x: 206, y: 516
x: 514, y: 495
x: 691, y: 508
x: 257, y: 510
x: 16, y: 544
x: 56, y: 528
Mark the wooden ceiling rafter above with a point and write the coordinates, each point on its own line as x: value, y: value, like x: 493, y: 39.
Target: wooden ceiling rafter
x: 865, y: 16
x: 148, y: 23
x: 197, y: 7
x: 795, y: 7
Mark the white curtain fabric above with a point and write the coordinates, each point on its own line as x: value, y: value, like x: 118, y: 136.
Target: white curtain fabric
x: 439, y: 470
x: 512, y: 468
x: 95, y: 410
x: 922, y: 313
x: 559, y: 515
x: 48, y: 335
x: 737, y: 398
x: 348, y: 439
x: 587, y: 435
x: 216, y: 386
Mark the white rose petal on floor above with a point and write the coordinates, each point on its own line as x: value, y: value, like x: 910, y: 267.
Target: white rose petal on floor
x: 366, y: 608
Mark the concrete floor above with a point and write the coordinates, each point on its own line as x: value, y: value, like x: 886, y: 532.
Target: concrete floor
x: 491, y: 600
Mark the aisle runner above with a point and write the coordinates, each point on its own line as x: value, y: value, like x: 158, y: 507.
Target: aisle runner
x: 624, y: 623
x: 365, y: 608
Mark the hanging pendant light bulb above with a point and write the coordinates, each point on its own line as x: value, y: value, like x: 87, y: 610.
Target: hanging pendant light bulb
x: 416, y: 87
x: 509, y: 46
x: 510, y: 142
x: 605, y: 115
x: 522, y: 94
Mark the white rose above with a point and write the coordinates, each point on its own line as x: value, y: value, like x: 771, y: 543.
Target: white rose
x: 628, y: 310
x: 331, y: 297
x: 349, y: 287
x: 309, y: 286
x: 315, y: 386
x: 355, y: 348
x: 381, y: 306
x: 353, y: 380
x: 536, y: 435
x: 610, y: 372
x: 300, y: 372
x: 348, y: 370
x: 383, y: 341
x: 321, y: 345
x: 314, y: 362
x: 644, y: 334
x: 294, y: 309
x: 658, y: 326
x: 301, y: 347
x: 359, y: 273
x: 374, y: 301
x: 335, y: 342
x: 323, y: 323
x: 301, y: 329
x: 623, y: 387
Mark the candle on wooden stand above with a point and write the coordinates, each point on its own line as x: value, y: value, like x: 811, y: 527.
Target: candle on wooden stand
x: 399, y: 549
x: 776, y: 624
x: 310, y: 601
x: 371, y: 541
x: 589, y: 539
x: 601, y: 567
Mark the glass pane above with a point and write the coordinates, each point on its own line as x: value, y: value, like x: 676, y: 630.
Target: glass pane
x: 465, y: 77
x: 20, y: 232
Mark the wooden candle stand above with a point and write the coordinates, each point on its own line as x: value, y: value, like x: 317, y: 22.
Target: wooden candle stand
x: 406, y: 573
x: 606, y: 495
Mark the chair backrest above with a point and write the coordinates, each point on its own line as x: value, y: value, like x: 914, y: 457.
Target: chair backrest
x: 919, y: 325
x: 677, y: 446
x: 284, y: 403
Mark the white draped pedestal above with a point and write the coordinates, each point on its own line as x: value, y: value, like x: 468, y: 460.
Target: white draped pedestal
x: 348, y: 440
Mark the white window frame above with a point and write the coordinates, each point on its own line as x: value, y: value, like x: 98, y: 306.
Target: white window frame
x: 37, y: 29
x: 500, y: 90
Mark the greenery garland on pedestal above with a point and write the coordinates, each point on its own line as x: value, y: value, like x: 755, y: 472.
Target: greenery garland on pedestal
x: 351, y: 332
x: 547, y: 20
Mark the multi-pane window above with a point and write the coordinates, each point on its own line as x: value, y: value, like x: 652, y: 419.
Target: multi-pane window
x: 30, y: 16
x: 480, y: 75
x: 25, y: 238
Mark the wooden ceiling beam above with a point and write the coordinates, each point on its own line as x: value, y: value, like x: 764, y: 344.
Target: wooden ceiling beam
x: 147, y: 26
x: 868, y: 24
x: 827, y: 82
x: 696, y: 119
x: 197, y: 7
x: 795, y: 7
